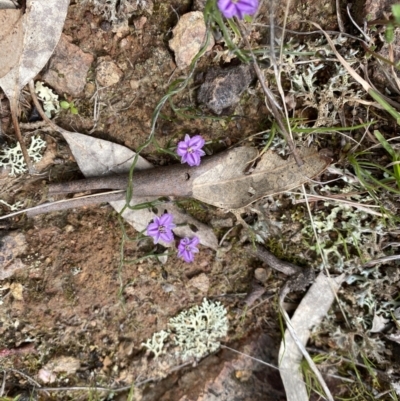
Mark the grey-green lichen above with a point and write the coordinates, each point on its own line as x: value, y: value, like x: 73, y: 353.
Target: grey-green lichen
x: 156, y: 343
x: 13, y: 159
x: 116, y: 10
x: 195, y: 332
x: 199, y: 329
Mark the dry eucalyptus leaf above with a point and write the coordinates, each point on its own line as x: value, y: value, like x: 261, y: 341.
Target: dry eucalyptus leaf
x: 229, y: 186
x: 42, y: 25
x: 312, y: 309
x: 7, y: 4
x: 11, y: 36
x: 97, y: 157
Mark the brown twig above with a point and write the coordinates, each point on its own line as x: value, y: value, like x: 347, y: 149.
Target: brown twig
x: 339, y: 17
x: 284, y: 267
x: 174, y: 180
x: 14, y: 116
x: 299, y: 279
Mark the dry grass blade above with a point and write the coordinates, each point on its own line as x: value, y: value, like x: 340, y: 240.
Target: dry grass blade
x: 337, y: 199
x: 385, y: 259
x: 270, y: 99
x: 367, y: 87
x: 66, y: 204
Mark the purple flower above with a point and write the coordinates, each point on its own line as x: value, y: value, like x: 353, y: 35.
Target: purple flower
x: 237, y: 8
x: 187, y: 248
x: 161, y: 228
x: 190, y: 150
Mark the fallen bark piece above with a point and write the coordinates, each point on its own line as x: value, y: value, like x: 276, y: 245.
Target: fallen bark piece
x: 98, y: 157
x: 224, y: 180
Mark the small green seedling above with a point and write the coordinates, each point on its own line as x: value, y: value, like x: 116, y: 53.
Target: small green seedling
x: 390, y: 27
x: 396, y: 13
x: 69, y: 106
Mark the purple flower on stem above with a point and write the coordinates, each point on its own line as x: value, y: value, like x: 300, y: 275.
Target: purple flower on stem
x: 190, y: 150
x: 237, y: 8
x: 187, y: 249
x: 161, y: 228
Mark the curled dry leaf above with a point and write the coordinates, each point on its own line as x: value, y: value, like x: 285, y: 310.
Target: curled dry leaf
x: 11, y: 36
x: 230, y: 186
x: 97, y: 157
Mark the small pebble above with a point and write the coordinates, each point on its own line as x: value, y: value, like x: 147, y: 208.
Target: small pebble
x: 201, y: 282
x: 105, y: 25
x: 261, y: 275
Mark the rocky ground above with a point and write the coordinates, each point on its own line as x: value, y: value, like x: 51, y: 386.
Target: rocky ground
x: 79, y: 293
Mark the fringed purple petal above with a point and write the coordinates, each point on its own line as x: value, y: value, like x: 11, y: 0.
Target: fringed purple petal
x: 194, y: 250
x: 152, y: 229
x: 157, y: 237
x: 167, y: 236
x: 194, y: 241
x: 190, y: 150
x: 188, y: 256
x: 166, y: 220
x: 182, y: 149
x: 187, y: 248
x: 223, y: 4
x: 193, y: 159
x: 247, y: 7
x: 230, y: 9
x: 196, y: 142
